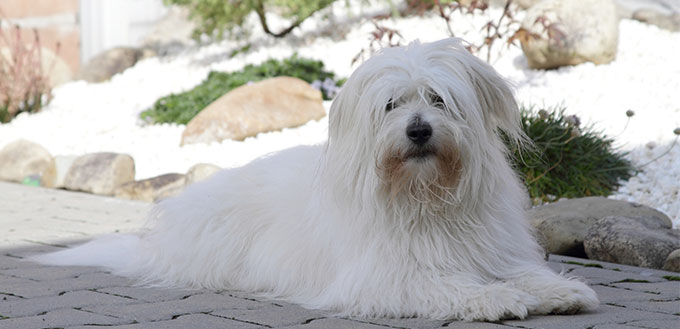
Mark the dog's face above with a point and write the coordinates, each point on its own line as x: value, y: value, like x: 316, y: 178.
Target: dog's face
x: 423, y: 116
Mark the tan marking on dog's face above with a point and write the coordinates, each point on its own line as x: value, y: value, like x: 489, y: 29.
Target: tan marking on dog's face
x: 400, y: 172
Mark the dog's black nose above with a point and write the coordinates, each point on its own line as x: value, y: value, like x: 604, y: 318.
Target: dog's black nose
x: 419, y: 132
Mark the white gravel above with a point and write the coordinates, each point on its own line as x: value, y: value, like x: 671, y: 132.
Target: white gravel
x: 104, y: 117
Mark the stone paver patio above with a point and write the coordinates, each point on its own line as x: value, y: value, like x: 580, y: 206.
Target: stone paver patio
x: 36, y: 220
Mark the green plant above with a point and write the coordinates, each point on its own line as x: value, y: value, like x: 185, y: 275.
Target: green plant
x: 181, y: 108
x: 214, y: 17
x: 671, y: 277
x: 24, y: 85
x: 567, y: 160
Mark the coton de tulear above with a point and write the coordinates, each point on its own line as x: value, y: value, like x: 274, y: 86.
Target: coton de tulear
x: 410, y: 209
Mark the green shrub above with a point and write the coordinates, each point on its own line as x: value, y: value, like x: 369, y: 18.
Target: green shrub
x: 568, y: 161
x: 214, y: 17
x: 181, y: 108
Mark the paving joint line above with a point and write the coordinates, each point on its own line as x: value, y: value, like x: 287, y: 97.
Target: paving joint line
x: 233, y: 319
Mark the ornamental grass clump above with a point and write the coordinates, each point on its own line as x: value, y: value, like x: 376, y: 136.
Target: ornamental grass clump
x: 181, y: 108
x: 568, y: 160
x: 24, y: 85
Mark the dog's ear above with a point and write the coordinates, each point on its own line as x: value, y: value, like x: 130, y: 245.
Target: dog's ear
x: 498, y: 103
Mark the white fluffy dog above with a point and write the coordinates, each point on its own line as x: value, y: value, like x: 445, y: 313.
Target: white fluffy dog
x: 410, y: 209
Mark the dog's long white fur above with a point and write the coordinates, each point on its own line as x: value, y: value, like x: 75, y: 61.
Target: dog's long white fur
x: 357, y: 227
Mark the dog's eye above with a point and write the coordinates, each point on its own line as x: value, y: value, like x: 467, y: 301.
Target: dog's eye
x: 390, y: 105
x: 437, y: 101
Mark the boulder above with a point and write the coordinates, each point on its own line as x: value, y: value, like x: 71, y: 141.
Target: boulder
x: 100, y: 173
x: 636, y: 241
x: 268, y: 105
x: 580, y: 31
x: 151, y: 189
x: 672, y: 262
x: 201, y: 171
x: 562, y: 226
x: 23, y: 160
x: 111, y: 62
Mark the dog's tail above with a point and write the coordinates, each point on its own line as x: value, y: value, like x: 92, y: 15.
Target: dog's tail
x: 114, y: 252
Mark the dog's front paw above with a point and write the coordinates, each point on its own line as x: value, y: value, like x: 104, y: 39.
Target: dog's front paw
x: 568, y: 297
x: 498, y: 302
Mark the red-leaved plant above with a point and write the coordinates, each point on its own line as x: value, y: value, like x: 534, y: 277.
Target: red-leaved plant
x: 24, y: 85
x: 505, y: 28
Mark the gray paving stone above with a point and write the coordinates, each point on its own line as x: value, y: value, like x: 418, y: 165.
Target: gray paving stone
x: 9, y: 262
x: 190, y: 321
x: 615, y: 295
x: 645, y: 272
x: 50, y: 273
x: 657, y: 324
x: 151, y: 294
x: 613, y: 326
x: 475, y: 325
x: 148, y: 312
x: 9, y: 298
x: 605, y: 314
x: 35, y: 306
x: 603, y: 276
x: 59, y: 319
x: 667, y: 289
x: 668, y: 307
x: 333, y: 323
x: 413, y: 323
x: 9, y: 280
x: 56, y: 287
x: 271, y: 315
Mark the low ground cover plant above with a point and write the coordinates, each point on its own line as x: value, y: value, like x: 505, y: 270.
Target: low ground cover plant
x: 567, y: 160
x: 181, y: 108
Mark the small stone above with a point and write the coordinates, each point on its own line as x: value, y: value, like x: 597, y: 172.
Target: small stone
x: 27, y: 162
x: 562, y: 226
x: 201, y: 171
x: 152, y: 189
x: 637, y: 241
x: 100, y: 173
x: 672, y: 262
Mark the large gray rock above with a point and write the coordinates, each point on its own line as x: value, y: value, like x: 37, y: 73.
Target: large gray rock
x: 201, y: 171
x: 637, y: 241
x: 268, y: 105
x: 100, y: 173
x: 151, y: 189
x: 672, y: 262
x: 111, y: 62
x: 562, y: 226
x: 582, y: 31
x: 22, y: 159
